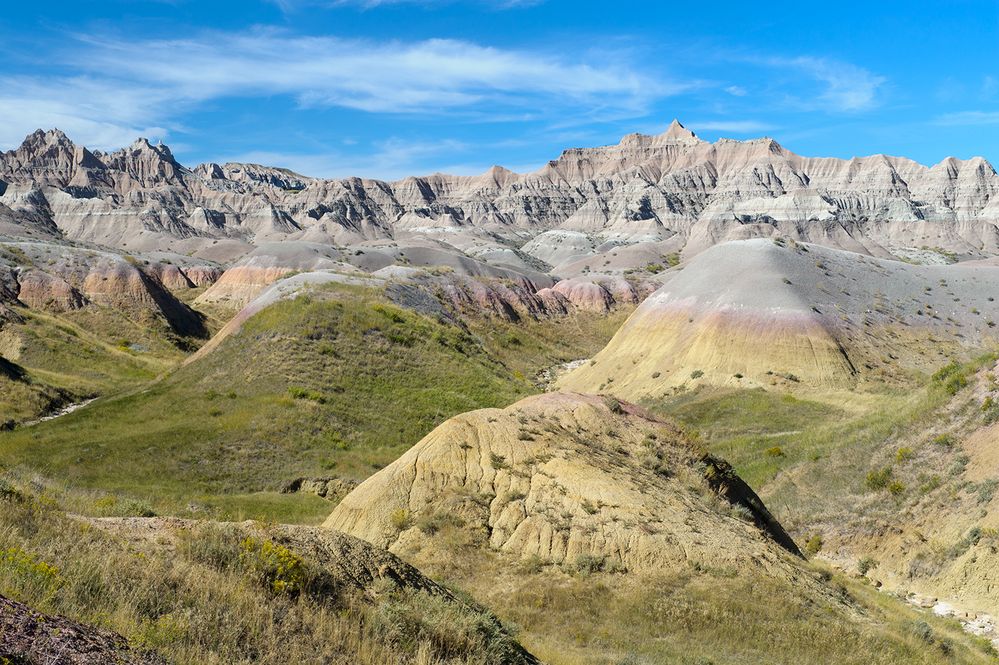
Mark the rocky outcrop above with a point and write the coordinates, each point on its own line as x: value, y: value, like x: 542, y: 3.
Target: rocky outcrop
x: 59, y: 278
x: 672, y: 188
x: 570, y: 479
x: 28, y: 637
x: 42, y: 290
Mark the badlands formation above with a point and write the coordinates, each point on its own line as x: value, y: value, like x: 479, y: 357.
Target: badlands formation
x: 584, y: 219
x: 671, y: 188
x: 770, y: 313
x: 259, y: 343
x: 565, y: 477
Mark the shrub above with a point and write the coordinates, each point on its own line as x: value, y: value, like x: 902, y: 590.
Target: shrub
x: 904, y: 454
x: 497, y: 461
x: 114, y: 506
x: 431, y: 523
x: 589, y: 563
x: 991, y: 410
x: 865, y: 565
x: 896, y: 488
x: 696, y: 374
x: 274, y: 566
x: 614, y: 404
x: 945, y: 440
x: 922, y: 630
x: 25, y: 569
x: 986, y: 490
x: 878, y: 479
x: 775, y: 451
x: 400, y: 519
x: 951, y: 377
x: 305, y: 393
x: 9, y: 493
x: 814, y: 545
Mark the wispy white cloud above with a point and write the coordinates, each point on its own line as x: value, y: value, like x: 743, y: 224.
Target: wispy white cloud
x: 734, y: 126
x: 395, y: 77
x: 118, y: 88
x: 970, y: 118
x: 101, y: 114
x: 842, y: 86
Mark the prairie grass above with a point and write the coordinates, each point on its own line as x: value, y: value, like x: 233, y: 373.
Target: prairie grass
x: 833, y: 447
x: 337, y: 382
x: 218, y: 596
x: 724, y: 619
x: 724, y: 615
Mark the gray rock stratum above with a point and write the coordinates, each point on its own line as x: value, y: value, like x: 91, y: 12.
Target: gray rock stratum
x: 664, y: 193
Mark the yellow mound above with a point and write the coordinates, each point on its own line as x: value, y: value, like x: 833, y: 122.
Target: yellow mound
x: 568, y: 478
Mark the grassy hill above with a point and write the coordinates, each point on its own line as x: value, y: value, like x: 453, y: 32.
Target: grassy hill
x: 53, y: 359
x: 336, y: 382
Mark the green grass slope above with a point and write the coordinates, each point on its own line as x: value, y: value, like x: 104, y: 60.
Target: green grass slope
x: 53, y: 359
x: 337, y: 382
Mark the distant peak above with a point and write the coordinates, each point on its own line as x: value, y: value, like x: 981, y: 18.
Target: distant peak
x: 676, y: 132
x: 46, y: 137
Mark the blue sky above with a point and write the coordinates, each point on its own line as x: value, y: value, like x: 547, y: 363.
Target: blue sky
x: 387, y: 88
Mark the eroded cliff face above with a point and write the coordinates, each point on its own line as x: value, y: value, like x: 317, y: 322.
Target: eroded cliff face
x: 644, y: 189
x: 562, y: 476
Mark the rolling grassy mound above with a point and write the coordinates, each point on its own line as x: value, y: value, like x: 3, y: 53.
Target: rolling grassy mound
x: 610, y: 537
x: 336, y: 382
x: 53, y: 359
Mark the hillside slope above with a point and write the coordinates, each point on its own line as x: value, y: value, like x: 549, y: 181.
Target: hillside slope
x: 610, y: 537
x: 778, y: 313
x: 322, y: 380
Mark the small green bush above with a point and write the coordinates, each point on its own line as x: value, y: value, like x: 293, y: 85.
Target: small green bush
x: 904, y: 454
x: 614, y: 404
x: 696, y: 374
x: 306, y: 393
x: 878, y: 479
x: 865, y: 565
x: 944, y: 440
x: 431, y: 523
x: 274, y: 566
x: 589, y: 563
x: 814, y: 545
x: 400, y: 519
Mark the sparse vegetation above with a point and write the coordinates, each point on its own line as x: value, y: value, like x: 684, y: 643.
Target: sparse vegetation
x: 223, y: 596
x: 302, y: 410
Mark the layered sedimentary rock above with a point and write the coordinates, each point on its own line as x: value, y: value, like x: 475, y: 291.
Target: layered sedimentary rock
x: 567, y: 477
x: 58, y: 278
x: 665, y: 192
x: 759, y: 312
